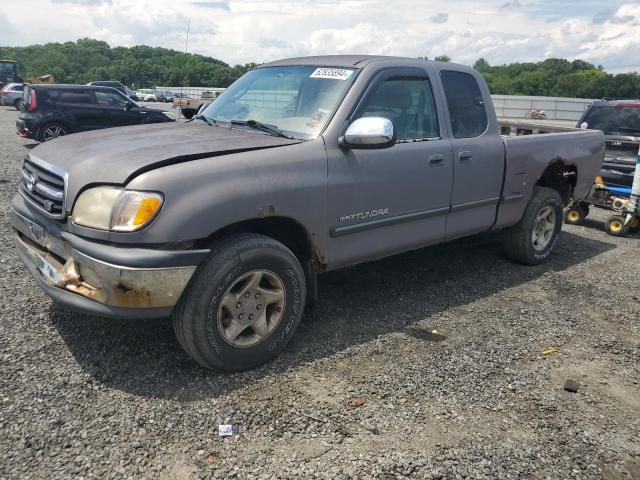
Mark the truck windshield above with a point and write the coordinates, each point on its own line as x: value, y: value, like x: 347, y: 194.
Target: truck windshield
x: 297, y: 100
x: 8, y: 71
x: 620, y: 118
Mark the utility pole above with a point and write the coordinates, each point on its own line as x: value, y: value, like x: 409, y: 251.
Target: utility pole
x: 186, y: 53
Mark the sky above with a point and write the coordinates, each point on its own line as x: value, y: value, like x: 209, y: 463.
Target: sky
x: 603, y: 32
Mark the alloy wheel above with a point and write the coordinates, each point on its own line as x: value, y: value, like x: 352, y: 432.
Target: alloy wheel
x: 251, y: 308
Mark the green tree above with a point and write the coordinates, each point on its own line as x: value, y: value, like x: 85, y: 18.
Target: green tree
x: 87, y: 59
x: 442, y: 58
x: 558, y: 77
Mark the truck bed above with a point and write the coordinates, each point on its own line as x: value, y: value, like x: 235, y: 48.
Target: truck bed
x: 530, y: 148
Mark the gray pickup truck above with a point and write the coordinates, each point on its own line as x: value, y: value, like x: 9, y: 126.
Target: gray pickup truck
x: 302, y: 166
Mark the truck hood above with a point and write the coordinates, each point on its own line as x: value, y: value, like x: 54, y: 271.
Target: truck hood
x: 116, y: 155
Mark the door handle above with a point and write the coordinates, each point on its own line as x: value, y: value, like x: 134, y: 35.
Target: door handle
x: 436, y: 159
x: 465, y: 156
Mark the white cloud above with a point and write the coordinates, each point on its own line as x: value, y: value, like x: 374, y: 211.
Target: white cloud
x: 240, y: 31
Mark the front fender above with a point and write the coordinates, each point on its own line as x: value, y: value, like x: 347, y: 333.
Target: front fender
x: 202, y: 196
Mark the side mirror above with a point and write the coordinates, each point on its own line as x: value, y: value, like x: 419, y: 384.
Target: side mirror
x: 369, y: 132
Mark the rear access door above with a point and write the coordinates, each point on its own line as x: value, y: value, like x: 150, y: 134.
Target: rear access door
x: 478, y: 154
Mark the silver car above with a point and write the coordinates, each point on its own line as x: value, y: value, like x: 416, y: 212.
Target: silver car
x: 11, y: 95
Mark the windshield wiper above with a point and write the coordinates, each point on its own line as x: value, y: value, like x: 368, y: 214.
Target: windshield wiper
x: 272, y: 129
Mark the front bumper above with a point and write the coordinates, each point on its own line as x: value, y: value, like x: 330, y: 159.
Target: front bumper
x: 149, y: 286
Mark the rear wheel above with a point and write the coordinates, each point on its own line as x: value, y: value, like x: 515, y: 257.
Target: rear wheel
x: 243, y: 304
x: 188, y: 113
x: 634, y: 225
x: 18, y: 104
x: 51, y: 131
x: 615, y: 226
x: 531, y: 241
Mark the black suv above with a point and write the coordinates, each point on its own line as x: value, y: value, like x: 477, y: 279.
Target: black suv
x: 50, y: 111
x: 620, y: 122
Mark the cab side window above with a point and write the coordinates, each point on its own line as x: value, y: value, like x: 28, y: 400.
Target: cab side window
x: 110, y: 99
x: 408, y: 103
x: 465, y: 103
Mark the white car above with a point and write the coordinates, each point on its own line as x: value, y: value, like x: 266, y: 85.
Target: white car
x: 146, y: 95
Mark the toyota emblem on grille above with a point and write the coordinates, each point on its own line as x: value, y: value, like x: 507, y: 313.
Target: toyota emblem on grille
x: 30, y: 181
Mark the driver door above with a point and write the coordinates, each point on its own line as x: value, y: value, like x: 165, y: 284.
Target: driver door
x: 396, y: 198
x: 115, y: 104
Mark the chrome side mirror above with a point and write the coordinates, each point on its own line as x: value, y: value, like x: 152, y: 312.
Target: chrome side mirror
x: 369, y: 132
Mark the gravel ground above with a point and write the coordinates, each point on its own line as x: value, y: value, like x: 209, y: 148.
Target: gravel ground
x: 365, y: 390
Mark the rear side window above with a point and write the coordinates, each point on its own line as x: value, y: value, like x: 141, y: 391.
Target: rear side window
x: 465, y: 103
x: 78, y: 97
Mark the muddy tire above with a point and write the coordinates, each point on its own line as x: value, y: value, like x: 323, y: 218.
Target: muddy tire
x: 531, y: 240
x: 243, y: 304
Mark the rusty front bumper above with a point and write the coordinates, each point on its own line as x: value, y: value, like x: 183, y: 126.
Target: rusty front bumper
x: 93, y: 285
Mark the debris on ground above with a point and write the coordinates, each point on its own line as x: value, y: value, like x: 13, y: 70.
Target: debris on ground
x: 571, y: 386
x: 549, y: 351
x: 225, y: 430
x: 357, y: 403
x: 211, y: 458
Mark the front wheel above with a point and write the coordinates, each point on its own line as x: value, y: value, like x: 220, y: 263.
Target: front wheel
x: 531, y: 240
x: 18, y: 104
x: 188, y: 113
x: 243, y: 304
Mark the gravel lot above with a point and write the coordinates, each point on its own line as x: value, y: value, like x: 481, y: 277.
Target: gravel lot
x: 366, y: 389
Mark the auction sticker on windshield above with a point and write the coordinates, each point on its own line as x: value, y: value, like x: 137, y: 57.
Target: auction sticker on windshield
x: 334, y: 73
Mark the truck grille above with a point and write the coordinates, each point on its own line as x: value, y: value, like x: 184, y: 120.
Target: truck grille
x: 43, y: 186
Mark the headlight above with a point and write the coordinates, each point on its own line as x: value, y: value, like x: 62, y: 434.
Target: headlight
x: 117, y: 209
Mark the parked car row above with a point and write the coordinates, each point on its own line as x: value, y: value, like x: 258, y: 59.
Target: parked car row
x: 51, y: 111
x: 154, y: 95
x: 144, y: 94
